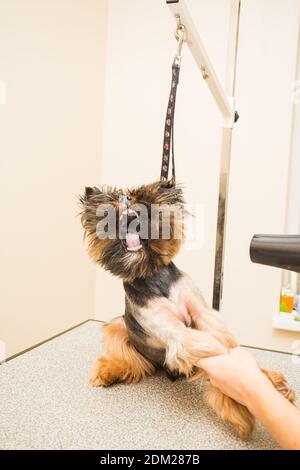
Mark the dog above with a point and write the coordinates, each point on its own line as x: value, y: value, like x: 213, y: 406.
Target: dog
x: 167, y: 323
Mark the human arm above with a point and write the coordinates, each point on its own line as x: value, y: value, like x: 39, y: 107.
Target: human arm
x: 238, y: 375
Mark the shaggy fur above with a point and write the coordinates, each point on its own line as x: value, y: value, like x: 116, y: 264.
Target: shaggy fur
x: 167, y: 323
x: 110, y: 254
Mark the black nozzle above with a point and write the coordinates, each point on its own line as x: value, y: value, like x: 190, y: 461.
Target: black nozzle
x: 280, y: 251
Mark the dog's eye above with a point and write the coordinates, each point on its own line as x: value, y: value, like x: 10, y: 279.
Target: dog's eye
x: 124, y: 199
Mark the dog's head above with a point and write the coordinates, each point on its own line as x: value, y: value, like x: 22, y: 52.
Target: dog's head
x: 133, y: 232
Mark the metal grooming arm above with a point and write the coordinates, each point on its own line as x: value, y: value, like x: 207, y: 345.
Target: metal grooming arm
x: 181, y: 13
x: 224, y: 98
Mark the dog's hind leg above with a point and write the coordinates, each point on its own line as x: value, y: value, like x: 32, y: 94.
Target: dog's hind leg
x: 280, y: 383
x: 231, y: 412
x: 120, y: 361
x: 238, y: 415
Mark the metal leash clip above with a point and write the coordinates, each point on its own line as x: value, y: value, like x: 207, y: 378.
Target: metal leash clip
x: 181, y: 37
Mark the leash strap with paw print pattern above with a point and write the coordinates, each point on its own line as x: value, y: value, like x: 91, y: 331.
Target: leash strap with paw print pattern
x: 168, y: 143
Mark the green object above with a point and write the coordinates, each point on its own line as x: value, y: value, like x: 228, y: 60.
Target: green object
x: 297, y: 318
x: 283, y: 307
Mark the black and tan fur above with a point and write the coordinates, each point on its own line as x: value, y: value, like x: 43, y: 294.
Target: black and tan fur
x: 167, y: 323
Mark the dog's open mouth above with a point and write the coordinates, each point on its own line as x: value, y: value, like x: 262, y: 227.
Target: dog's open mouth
x: 133, y: 242
x: 129, y: 224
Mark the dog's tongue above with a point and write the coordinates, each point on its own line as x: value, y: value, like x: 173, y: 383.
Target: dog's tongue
x: 133, y: 241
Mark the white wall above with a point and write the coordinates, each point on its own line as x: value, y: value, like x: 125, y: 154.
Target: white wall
x: 260, y: 164
x: 51, y: 58
x: 140, y: 51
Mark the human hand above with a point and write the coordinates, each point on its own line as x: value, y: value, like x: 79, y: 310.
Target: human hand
x: 236, y: 374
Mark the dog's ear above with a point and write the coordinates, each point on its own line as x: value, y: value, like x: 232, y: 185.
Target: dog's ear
x: 99, y: 195
x: 89, y: 192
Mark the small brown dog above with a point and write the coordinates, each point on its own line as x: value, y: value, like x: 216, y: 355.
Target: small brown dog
x: 167, y: 323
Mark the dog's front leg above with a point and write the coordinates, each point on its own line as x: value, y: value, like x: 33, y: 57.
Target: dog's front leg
x: 204, y: 318
x: 184, y: 346
x: 226, y: 408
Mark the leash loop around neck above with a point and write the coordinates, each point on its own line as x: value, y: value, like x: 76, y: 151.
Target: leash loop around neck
x: 168, y: 142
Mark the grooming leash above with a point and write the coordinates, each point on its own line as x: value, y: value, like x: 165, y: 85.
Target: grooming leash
x: 168, y: 143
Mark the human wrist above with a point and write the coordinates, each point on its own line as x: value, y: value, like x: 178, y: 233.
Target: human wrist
x: 256, y: 389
